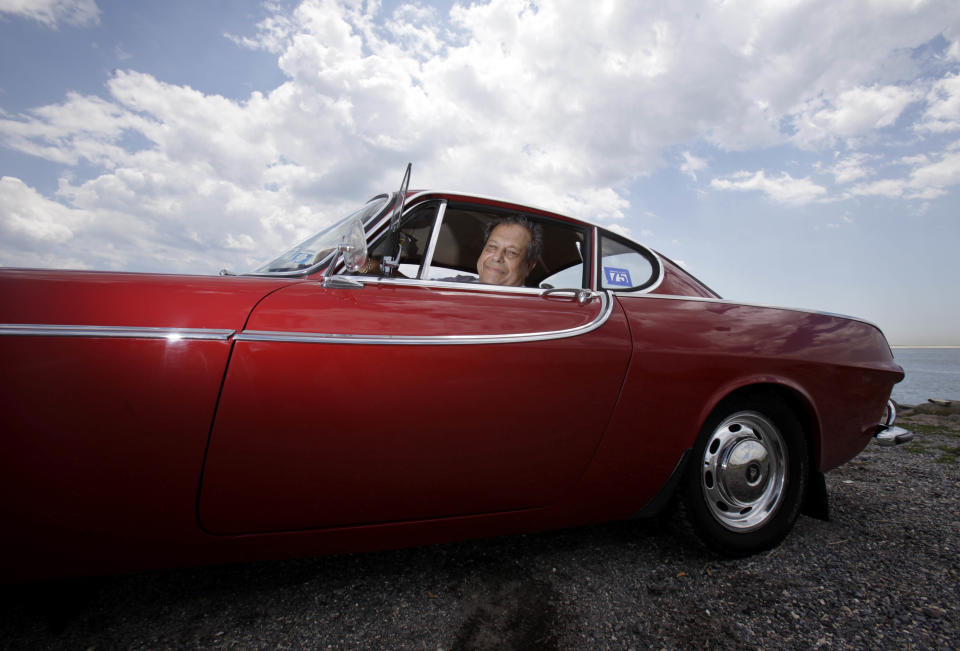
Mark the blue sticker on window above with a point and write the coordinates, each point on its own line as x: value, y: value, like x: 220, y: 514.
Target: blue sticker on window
x: 617, y: 277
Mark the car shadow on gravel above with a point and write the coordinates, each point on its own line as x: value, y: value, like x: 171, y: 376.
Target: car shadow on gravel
x: 881, y: 573
x: 498, y: 593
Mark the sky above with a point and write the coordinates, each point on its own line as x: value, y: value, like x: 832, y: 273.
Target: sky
x: 788, y: 152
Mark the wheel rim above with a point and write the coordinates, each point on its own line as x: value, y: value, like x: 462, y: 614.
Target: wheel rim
x: 744, y: 471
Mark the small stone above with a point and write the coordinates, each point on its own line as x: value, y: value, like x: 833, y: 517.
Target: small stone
x: 933, y: 611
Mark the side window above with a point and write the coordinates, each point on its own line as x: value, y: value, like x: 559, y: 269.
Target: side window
x: 564, y: 249
x: 449, y: 273
x: 571, y: 277
x: 461, y: 240
x: 624, y: 266
x: 458, y: 245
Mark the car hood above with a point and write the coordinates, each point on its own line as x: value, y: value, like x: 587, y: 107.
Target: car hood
x: 92, y: 298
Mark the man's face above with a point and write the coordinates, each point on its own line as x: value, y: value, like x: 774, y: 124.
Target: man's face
x: 503, y: 259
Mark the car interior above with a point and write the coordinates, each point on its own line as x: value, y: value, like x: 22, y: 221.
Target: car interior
x: 460, y: 242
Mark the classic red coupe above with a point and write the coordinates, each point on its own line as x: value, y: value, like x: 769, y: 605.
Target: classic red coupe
x: 369, y: 388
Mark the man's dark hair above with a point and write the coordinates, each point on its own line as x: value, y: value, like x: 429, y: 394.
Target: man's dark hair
x: 534, y: 248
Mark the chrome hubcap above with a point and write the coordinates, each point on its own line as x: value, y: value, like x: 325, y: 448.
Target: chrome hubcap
x: 744, y: 471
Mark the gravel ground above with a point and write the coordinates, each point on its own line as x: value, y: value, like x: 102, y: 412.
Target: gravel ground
x: 884, y: 572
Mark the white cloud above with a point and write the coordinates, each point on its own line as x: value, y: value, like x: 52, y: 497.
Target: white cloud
x: 943, y: 106
x: 784, y: 189
x: 853, y: 113
x: 914, y: 160
x: 560, y: 104
x: 30, y: 215
x: 692, y: 164
x: 53, y: 13
x: 36, y: 231
x: 82, y: 128
x: 930, y: 178
x: 890, y: 188
x: 852, y: 168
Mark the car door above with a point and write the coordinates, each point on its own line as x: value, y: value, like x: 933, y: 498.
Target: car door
x: 402, y: 399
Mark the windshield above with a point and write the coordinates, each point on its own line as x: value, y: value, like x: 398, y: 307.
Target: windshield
x: 314, y: 249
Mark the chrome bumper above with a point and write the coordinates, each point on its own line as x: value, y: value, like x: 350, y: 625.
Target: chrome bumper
x: 887, y: 434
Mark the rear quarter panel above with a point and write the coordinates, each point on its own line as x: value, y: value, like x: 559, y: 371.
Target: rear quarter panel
x: 690, y: 354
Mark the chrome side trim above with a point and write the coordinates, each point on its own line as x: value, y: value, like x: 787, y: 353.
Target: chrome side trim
x: 122, y: 332
x: 606, y: 308
x: 453, y: 285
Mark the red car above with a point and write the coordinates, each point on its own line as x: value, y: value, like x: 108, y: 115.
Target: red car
x: 368, y: 389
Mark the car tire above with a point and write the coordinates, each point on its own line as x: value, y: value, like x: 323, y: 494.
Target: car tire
x: 747, y: 476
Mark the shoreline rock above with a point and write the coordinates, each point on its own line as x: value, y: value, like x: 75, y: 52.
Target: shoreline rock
x: 933, y: 407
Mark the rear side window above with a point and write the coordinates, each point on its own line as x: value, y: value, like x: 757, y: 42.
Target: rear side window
x: 625, y: 266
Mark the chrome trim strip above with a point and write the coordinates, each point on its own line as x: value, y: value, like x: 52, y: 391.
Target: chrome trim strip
x: 663, y: 272
x: 606, y: 308
x: 453, y: 285
x: 123, y: 332
x: 434, y: 236
x: 378, y: 224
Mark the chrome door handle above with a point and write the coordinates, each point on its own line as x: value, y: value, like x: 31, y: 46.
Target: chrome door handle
x: 583, y: 296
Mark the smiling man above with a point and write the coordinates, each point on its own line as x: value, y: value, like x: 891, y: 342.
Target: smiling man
x: 510, y: 251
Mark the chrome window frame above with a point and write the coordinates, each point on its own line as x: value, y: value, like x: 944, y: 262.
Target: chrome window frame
x: 652, y: 256
x: 378, y: 231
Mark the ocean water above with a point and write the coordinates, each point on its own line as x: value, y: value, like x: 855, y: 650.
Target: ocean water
x: 931, y: 373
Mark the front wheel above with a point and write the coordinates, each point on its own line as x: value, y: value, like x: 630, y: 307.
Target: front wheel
x: 747, y: 477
